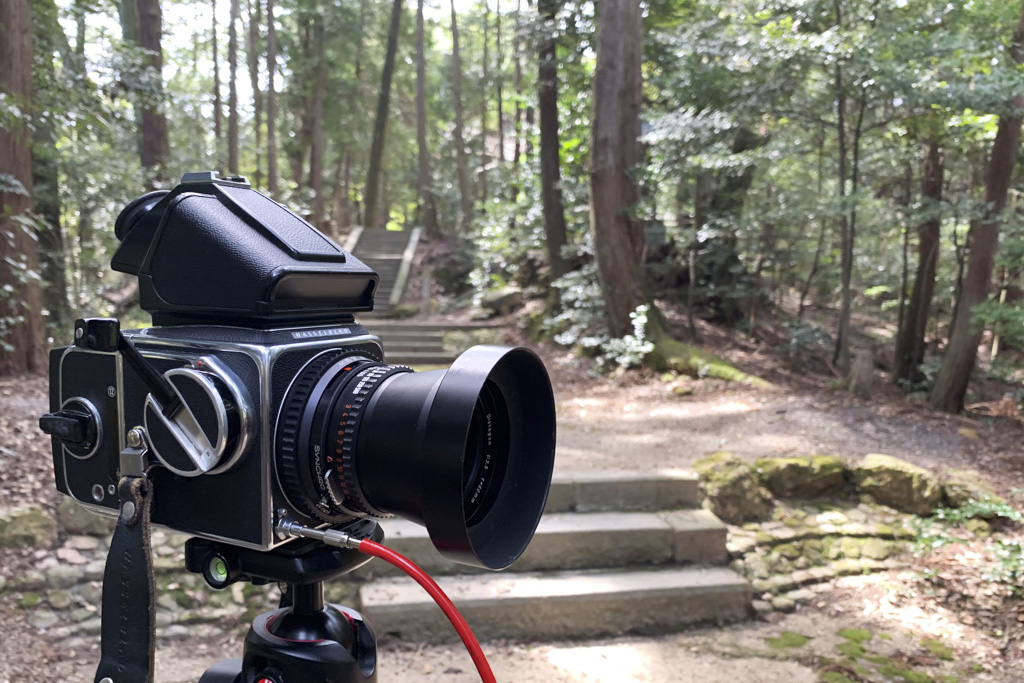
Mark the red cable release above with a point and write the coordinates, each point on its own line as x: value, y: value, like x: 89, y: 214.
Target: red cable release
x: 447, y: 606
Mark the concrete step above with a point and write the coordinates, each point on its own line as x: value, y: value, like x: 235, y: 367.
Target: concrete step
x: 610, y: 490
x: 573, y: 604
x: 582, y: 541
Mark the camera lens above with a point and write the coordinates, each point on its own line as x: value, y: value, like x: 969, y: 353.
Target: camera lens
x: 467, y: 452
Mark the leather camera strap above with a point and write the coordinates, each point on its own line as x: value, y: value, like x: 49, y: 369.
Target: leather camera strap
x: 128, y: 620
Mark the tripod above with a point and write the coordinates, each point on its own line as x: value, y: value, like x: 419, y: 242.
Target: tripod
x: 304, y: 640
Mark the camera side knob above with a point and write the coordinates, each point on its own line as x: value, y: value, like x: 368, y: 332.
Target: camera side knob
x: 76, y: 425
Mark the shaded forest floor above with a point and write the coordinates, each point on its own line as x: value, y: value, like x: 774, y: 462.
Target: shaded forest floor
x: 641, y: 421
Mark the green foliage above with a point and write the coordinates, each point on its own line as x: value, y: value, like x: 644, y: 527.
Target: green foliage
x: 1007, y: 553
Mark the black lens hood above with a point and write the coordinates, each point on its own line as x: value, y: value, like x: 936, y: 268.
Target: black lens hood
x: 413, y: 446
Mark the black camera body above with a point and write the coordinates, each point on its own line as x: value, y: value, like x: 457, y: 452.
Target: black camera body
x: 234, y: 382
x: 257, y: 401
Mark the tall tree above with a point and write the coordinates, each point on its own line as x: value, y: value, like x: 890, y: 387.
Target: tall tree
x: 22, y: 338
x: 271, y: 101
x: 910, y: 341
x: 484, y: 86
x: 616, y: 99
x: 499, y: 81
x: 218, y: 132
x: 316, y: 153
x: 233, y: 88
x: 428, y: 212
x: 156, y: 148
x: 253, y: 53
x: 381, y: 121
x: 465, y: 196
x: 49, y: 40
x: 550, y: 172
x: 983, y: 239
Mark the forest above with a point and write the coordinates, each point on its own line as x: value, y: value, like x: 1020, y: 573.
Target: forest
x: 830, y: 164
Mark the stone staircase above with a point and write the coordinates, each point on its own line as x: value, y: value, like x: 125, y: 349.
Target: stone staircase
x: 385, y: 251
x: 415, y: 343
x: 615, y: 553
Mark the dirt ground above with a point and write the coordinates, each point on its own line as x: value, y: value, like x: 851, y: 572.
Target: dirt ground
x: 631, y: 422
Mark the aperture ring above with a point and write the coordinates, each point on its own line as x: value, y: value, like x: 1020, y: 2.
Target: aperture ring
x: 341, y: 439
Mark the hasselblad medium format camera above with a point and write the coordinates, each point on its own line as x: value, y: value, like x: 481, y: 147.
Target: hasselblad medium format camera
x: 257, y: 397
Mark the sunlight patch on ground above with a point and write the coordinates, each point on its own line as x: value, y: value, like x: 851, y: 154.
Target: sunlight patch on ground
x: 937, y: 622
x: 613, y: 664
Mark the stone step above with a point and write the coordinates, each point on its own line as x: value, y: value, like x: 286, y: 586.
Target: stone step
x: 572, y: 604
x: 610, y: 490
x: 415, y: 358
x: 410, y: 326
x: 582, y: 541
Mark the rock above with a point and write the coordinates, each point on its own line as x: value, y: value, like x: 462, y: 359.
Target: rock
x: 898, y: 484
x: 60, y: 599
x: 503, y: 301
x: 801, y: 595
x: 63, y: 576
x: 80, y: 614
x: 850, y: 547
x: 875, y: 549
x: 761, y: 607
x: 26, y: 526
x: 29, y: 600
x: 783, y: 603
x: 43, y: 619
x: 71, y: 556
x: 77, y: 519
x: 82, y: 543
x: 403, y: 311
x: 28, y: 580
x: 732, y: 489
x: 964, y: 486
x: 811, y: 476
x: 979, y: 527
x: 3, y: 584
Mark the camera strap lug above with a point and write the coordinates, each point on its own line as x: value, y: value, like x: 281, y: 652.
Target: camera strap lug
x: 128, y: 626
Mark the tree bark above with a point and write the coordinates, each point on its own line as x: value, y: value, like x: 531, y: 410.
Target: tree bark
x: 22, y: 336
x: 983, y: 239
x: 233, y: 89
x: 271, y: 101
x: 156, y: 148
x: 316, y: 153
x: 427, y: 209
x: 910, y: 343
x: 618, y: 267
x: 381, y: 121
x: 465, y: 194
x: 550, y: 173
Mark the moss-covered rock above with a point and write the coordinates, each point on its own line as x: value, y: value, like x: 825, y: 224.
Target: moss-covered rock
x: 26, y: 526
x: 686, y: 359
x: 963, y: 486
x: 77, y: 520
x: 810, y: 476
x: 732, y: 489
x: 898, y: 484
